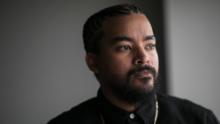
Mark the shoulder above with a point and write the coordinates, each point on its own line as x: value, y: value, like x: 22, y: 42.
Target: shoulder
x: 81, y: 113
x: 186, y: 110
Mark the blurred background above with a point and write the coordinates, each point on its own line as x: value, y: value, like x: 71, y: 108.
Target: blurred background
x: 43, y: 72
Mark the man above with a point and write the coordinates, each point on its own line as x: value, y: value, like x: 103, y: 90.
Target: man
x: 121, y: 51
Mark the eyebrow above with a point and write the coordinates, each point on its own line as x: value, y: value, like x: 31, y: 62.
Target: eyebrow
x: 150, y: 37
x: 129, y: 39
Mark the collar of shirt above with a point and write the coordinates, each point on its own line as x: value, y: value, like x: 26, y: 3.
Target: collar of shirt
x: 112, y: 114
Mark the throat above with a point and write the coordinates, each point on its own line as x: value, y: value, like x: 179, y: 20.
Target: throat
x: 127, y: 105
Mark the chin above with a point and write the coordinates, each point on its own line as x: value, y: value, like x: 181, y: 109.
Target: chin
x: 144, y: 85
x: 141, y: 94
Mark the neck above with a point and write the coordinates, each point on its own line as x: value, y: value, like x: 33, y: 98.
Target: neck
x: 129, y: 107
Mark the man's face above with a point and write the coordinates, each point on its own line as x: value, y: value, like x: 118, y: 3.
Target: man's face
x: 127, y: 51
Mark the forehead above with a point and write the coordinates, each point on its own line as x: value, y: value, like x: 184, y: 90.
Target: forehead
x: 131, y: 25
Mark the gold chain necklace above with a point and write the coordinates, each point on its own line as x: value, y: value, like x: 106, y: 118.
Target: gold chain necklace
x: 155, y: 117
x: 156, y: 112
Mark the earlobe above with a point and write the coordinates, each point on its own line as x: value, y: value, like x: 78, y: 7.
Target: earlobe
x: 91, y: 61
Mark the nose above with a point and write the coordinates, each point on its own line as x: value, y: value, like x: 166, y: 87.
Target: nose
x: 141, y: 57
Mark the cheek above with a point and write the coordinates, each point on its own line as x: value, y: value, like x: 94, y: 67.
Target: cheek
x: 118, y: 65
x: 156, y: 62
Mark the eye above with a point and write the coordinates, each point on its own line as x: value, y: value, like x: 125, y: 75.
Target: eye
x: 123, y: 48
x: 150, y: 47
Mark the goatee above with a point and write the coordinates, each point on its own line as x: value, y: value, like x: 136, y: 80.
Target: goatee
x: 136, y: 95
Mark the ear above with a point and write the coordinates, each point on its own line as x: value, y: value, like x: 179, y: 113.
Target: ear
x: 91, y: 61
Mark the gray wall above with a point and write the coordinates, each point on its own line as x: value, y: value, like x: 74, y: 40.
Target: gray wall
x: 43, y: 71
x: 194, y: 41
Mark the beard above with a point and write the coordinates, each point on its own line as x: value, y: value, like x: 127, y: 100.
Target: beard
x: 126, y: 91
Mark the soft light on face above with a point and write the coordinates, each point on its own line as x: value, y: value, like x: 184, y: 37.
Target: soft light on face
x: 128, y: 60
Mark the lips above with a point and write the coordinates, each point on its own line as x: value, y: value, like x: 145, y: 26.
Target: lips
x: 143, y: 74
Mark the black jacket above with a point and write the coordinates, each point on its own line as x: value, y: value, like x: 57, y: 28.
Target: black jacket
x: 172, y: 110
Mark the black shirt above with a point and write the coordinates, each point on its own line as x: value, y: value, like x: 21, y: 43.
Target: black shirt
x: 172, y: 110
x: 112, y: 114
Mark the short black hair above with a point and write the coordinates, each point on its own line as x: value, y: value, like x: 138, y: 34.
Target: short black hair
x: 92, y: 29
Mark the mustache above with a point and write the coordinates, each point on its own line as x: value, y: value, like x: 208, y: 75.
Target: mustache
x: 148, y: 68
